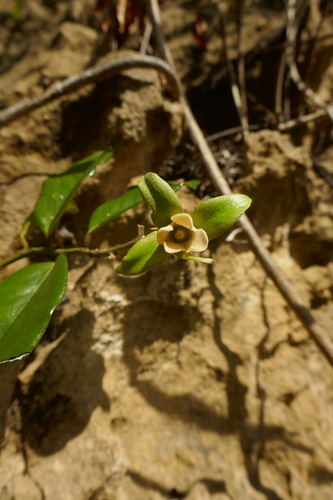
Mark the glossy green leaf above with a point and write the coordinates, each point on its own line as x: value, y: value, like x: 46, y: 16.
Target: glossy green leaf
x: 160, y: 197
x: 27, y: 300
x: 132, y: 198
x: 218, y: 214
x: 111, y: 209
x: 193, y: 184
x: 143, y: 256
x: 57, y: 191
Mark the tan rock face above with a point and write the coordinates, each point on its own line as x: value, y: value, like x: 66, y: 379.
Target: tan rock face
x: 190, y: 382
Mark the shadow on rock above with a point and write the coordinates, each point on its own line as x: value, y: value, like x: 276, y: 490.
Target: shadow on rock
x: 8, y: 377
x: 64, y: 391
x: 212, y: 486
x: 149, y: 331
x: 85, y: 124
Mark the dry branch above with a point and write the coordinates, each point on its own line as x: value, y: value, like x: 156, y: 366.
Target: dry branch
x: 91, y: 75
x: 241, y: 65
x: 238, y: 96
x: 279, y: 88
x: 291, y: 296
x: 291, y: 54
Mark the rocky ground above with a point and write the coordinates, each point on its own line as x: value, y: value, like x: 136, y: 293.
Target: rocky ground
x: 190, y: 382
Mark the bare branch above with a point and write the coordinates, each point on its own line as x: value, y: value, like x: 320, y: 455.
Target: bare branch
x: 233, y: 78
x: 279, y: 88
x: 91, y: 75
x: 282, y: 127
x: 316, y: 331
x: 241, y: 66
x: 320, y: 113
x: 145, y: 46
x: 290, y: 54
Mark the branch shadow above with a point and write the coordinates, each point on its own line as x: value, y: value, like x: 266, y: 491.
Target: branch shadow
x: 145, y: 326
x: 212, y: 486
x: 85, y: 124
x: 64, y: 391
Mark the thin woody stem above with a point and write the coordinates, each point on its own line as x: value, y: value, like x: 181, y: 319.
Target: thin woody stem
x: 318, y: 334
x: 61, y: 251
x: 292, y: 29
x: 90, y: 75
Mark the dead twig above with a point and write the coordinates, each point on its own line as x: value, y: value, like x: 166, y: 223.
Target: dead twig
x: 320, y: 113
x: 145, y: 45
x: 236, y: 94
x: 230, y: 131
x: 279, y: 88
x: 91, y: 75
x: 241, y: 66
x: 316, y: 331
x: 313, y: 53
x: 291, y: 61
x: 282, y: 127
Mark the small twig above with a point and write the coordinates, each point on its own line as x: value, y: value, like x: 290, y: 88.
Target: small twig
x: 316, y: 38
x: 316, y: 331
x: 279, y: 88
x: 320, y: 113
x: 91, y: 75
x: 286, y: 99
x: 282, y: 127
x: 290, y: 54
x: 233, y: 79
x: 230, y: 131
x: 145, y: 45
x: 60, y: 251
x: 241, y: 67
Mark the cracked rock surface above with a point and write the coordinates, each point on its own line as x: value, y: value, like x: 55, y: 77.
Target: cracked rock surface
x: 190, y: 382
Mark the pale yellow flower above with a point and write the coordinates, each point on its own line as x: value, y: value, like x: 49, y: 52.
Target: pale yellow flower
x: 182, y: 236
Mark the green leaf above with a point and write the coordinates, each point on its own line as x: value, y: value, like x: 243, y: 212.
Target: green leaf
x: 193, y: 184
x: 160, y: 197
x: 58, y: 191
x: 188, y: 256
x: 218, y: 214
x: 143, y: 256
x: 111, y: 209
x: 132, y: 198
x: 27, y: 300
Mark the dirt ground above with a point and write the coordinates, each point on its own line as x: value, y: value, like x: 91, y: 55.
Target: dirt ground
x: 190, y: 382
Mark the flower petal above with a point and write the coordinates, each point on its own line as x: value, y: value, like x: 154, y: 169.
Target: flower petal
x: 163, y: 233
x: 199, y: 242
x: 160, y: 197
x: 173, y: 247
x: 146, y: 254
x: 218, y: 214
x: 184, y: 220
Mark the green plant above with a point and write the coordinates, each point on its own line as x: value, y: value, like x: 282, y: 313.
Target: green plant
x: 29, y: 296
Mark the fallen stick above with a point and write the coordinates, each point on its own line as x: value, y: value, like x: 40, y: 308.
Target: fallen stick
x: 290, y: 54
x: 318, y: 334
x: 238, y: 93
x: 91, y: 75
